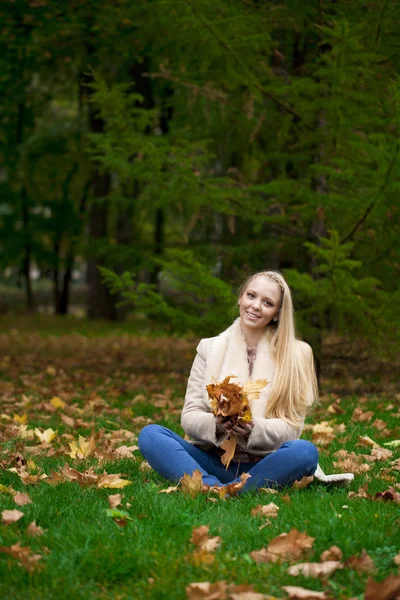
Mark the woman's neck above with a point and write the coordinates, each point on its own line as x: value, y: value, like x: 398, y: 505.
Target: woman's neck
x: 252, y: 337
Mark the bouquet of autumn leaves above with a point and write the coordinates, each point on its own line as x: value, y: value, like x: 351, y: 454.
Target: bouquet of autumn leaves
x: 233, y: 400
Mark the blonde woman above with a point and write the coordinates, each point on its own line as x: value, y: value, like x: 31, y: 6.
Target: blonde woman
x: 260, y: 344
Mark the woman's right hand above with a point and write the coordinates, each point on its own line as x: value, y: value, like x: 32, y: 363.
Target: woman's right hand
x: 223, y: 424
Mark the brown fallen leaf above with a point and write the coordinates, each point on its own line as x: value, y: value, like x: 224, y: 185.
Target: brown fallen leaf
x: 286, y: 499
x: 361, y: 564
x: 314, y: 569
x: 11, y: 516
x: 388, y: 589
x: 201, y: 557
x: 173, y: 488
x: 21, y: 499
x: 267, y: 510
x: 365, y: 440
x: 34, y: 530
x: 206, y: 591
x: 299, y: 593
x: 362, y: 492
x: 304, y: 482
x: 192, y: 484
x: 114, y: 500
x: 333, y: 553
x: 69, y: 421
x: 381, y: 453
x: 286, y: 546
x: 389, y: 495
x: 361, y: 416
x: 24, y: 555
x: 245, y: 592
x: 202, y: 540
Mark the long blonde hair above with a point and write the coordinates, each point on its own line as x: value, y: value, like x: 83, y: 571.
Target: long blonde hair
x: 294, y: 387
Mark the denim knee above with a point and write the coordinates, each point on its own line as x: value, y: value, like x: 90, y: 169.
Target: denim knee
x: 147, y: 436
x: 305, y: 452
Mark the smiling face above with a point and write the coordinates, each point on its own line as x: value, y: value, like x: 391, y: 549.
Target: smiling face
x: 259, y: 304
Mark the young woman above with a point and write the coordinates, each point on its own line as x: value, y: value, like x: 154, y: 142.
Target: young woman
x: 260, y: 344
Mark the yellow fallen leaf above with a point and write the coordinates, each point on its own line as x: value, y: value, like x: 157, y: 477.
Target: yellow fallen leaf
x: 83, y: 449
x: 57, y: 402
x: 112, y: 481
x: 192, y: 484
x: 5, y: 490
x: 47, y: 435
x: 24, y: 433
x: 22, y: 420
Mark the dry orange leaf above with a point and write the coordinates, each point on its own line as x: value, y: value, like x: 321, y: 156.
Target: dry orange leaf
x: 169, y: 490
x: 286, y: 546
x: 314, y: 569
x: 203, y: 541
x: 192, y: 484
x: 34, y: 530
x: 304, y: 482
x: 206, y: 591
x: 388, y: 589
x: 23, y: 555
x: 299, y: 593
x: 113, y: 481
x: 11, y: 516
x: 333, y: 553
x: 229, y: 446
x: 381, y: 453
x: 361, y: 564
x: 114, y: 500
x: 83, y: 448
x: 266, y: 510
x: 22, y: 499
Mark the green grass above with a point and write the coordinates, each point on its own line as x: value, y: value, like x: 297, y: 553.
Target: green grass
x: 89, y: 555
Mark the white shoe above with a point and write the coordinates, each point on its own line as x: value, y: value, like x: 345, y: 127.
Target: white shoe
x: 338, y: 479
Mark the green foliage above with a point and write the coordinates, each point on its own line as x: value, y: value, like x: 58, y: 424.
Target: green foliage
x: 192, y: 297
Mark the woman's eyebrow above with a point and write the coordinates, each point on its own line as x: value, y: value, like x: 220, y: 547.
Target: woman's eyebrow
x: 265, y: 297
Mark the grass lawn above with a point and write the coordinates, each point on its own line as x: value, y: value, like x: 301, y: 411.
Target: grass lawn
x: 105, y: 385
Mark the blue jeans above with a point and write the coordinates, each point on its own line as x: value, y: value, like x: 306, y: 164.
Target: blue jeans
x: 171, y: 456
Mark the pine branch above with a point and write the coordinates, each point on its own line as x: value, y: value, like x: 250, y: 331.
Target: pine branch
x: 369, y: 208
x: 244, y: 68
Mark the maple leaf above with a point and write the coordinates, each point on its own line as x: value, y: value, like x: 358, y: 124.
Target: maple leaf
x: 361, y: 564
x: 362, y: 492
x: 388, y: 589
x: 192, y: 484
x: 304, y: 482
x: 22, y: 420
x: 206, y: 591
x: 314, y: 569
x: 57, y: 402
x: 299, y: 593
x: 47, y: 435
x: 114, y: 500
x: 229, y: 446
x: 24, y: 555
x: 203, y: 541
x: 389, y: 495
x: 381, y: 453
x: 112, y: 481
x: 169, y: 490
x: 34, y: 530
x: 333, y: 553
x: 11, y: 516
x: 267, y: 510
x: 22, y: 499
x: 365, y: 440
x: 252, y: 389
x: 286, y: 546
x: 83, y: 449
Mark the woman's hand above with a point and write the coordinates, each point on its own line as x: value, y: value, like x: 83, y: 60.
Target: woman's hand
x: 224, y: 424
x: 242, y: 428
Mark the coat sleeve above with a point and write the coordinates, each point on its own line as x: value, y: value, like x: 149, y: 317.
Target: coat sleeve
x: 197, y: 419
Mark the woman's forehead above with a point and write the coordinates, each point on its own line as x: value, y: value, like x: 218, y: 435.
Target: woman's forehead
x: 265, y: 287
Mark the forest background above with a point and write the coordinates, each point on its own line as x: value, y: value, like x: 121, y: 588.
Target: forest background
x: 160, y: 151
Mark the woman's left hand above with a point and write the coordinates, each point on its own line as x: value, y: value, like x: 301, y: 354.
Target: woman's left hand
x: 243, y: 428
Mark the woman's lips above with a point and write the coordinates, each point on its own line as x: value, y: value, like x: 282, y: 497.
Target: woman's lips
x: 252, y: 316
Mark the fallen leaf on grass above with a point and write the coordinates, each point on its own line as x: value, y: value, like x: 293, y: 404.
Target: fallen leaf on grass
x: 381, y: 453
x: 173, y: 488
x: 286, y: 546
x: 361, y: 564
x: 192, y: 484
x: 11, y: 516
x: 34, y: 530
x: 57, y: 402
x: 47, y: 435
x: 69, y: 421
x: 7, y: 490
x: 314, y: 569
x: 392, y: 444
x: 232, y: 489
x: 202, y: 540
x: 113, y: 481
x: 206, y: 591
x: 361, y: 416
x: 24, y: 556
x: 333, y: 553
x: 121, y: 517
x: 83, y: 448
x: 388, y: 589
x: 145, y: 466
x: 114, y: 500
x: 362, y: 492
x: 303, y: 482
x: 126, y: 451
x: 389, y: 495
x: 21, y: 499
x: 22, y: 420
x: 299, y: 593
x: 267, y: 510
x: 365, y: 440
